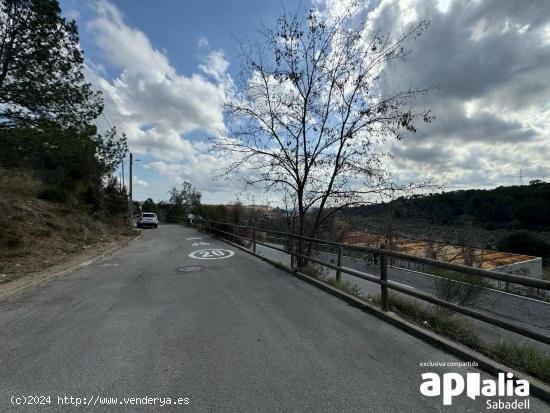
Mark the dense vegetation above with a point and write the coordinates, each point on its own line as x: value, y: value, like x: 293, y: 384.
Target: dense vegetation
x: 525, y: 242
x: 519, y: 216
x: 48, y: 110
x: 509, y: 207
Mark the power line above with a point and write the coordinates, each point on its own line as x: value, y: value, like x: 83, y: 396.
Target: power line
x: 106, y: 120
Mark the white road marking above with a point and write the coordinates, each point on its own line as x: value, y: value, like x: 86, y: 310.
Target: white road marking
x: 192, y: 238
x: 403, y: 285
x: 212, y: 254
x: 485, y: 288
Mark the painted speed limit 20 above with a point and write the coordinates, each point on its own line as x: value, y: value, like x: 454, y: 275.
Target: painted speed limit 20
x: 212, y: 254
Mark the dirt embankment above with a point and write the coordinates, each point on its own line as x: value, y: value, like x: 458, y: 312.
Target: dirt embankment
x: 36, y: 235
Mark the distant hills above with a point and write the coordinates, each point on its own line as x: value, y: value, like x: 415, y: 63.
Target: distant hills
x: 506, y: 207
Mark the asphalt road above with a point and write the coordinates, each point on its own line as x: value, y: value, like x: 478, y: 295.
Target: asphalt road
x: 235, y: 334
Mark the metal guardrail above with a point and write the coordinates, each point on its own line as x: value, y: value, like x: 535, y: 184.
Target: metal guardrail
x: 385, y: 284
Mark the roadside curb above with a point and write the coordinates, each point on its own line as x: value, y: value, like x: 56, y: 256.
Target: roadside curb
x: 48, y: 277
x: 537, y: 387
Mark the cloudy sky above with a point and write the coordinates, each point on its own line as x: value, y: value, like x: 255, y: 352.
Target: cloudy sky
x: 164, y: 68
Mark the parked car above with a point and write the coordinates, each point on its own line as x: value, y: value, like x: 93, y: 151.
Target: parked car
x: 147, y: 219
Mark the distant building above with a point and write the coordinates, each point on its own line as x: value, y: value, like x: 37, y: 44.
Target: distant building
x: 265, y: 210
x: 259, y: 208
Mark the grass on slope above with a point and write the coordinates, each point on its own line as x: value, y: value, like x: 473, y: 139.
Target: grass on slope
x: 36, y: 234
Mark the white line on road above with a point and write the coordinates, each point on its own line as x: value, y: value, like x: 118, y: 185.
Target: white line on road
x: 404, y: 285
x: 436, y: 276
x: 485, y: 288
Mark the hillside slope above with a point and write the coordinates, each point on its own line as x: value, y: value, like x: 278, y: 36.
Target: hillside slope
x: 513, y: 219
x: 505, y: 207
x: 37, y: 234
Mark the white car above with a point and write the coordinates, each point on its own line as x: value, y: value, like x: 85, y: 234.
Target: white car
x: 147, y: 219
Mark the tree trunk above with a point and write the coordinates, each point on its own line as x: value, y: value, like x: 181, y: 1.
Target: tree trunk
x: 301, y: 230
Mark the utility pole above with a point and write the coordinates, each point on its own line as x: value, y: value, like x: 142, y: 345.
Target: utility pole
x: 122, y: 175
x: 130, y: 191
x: 520, y: 174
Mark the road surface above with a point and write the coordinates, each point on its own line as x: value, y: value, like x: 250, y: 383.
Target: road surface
x: 227, y: 334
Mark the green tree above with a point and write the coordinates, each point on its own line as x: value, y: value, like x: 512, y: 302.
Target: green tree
x: 110, y: 149
x: 47, y: 108
x: 524, y: 242
x: 214, y: 212
x: 114, y: 198
x: 185, y: 200
x: 150, y: 206
x: 41, y: 67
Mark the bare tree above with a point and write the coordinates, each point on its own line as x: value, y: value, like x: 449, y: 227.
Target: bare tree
x: 311, y: 116
x: 237, y: 212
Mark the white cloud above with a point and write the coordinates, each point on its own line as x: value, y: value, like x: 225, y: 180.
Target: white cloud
x: 176, y: 173
x: 488, y: 58
x: 202, y: 42
x: 216, y: 66
x: 489, y: 61
x: 148, y: 99
x: 198, y: 171
x: 140, y: 182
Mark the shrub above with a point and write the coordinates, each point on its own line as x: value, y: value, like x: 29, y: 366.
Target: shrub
x: 314, y: 270
x: 10, y: 240
x: 19, y: 181
x: 463, y: 290
x: 41, y: 232
x: 522, y: 357
x: 53, y: 193
x: 346, y: 286
x: 458, y: 288
x: 524, y: 242
x: 448, y: 325
x: 491, y: 226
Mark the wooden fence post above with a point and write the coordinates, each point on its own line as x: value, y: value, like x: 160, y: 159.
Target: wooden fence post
x: 292, y: 257
x: 339, y: 263
x: 254, y: 239
x: 384, y: 277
